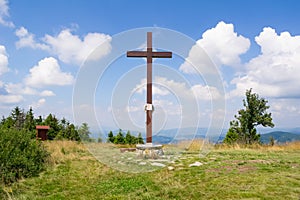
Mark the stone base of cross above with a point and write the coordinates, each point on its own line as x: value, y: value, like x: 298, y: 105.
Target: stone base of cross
x: 149, y: 150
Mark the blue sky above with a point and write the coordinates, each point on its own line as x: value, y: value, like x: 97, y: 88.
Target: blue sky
x: 252, y: 44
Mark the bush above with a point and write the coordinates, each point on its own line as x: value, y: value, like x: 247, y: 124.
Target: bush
x: 20, y: 156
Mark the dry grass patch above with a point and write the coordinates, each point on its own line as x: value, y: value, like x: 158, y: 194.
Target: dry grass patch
x: 292, y: 146
x: 192, y: 145
x: 61, y: 151
x: 277, y: 147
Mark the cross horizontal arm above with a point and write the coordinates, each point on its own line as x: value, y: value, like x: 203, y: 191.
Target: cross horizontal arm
x: 136, y: 53
x: 163, y: 54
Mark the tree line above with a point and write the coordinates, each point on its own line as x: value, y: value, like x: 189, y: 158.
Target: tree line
x: 127, y: 139
x: 59, y: 128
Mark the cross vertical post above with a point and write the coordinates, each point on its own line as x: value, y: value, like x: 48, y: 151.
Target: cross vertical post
x: 149, y: 89
x: 149, y: 54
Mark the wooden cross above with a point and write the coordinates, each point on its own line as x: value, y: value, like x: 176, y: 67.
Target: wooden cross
x: 149, y: 54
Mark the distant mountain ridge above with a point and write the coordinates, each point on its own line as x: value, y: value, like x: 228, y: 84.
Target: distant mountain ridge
x: 279, y: 137
x: 175, y: 135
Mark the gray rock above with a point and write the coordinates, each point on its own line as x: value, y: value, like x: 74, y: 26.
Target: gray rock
x: 195, y: 164
x: 158, y: 164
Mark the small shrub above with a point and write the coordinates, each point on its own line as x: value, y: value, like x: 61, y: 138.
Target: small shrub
x: 63, y: 150
x: 272, y: 141
x: 20, y: 156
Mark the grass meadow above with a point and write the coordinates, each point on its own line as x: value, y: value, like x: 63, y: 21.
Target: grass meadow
x: 253, y: 172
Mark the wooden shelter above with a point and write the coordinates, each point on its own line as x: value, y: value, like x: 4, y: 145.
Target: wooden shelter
x: 41, y: 132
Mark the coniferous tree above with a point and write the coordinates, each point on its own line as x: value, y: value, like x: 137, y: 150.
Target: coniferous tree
x: 84, y: 132
x: 39, y: 120
x: 29, y: 121
x: 140, y: 139
x: 119, y: 139
x: 52, y: 121
x: 110, y: 137
x: 72, y: 133
x: 243, y: 129
x: 18, y: 117
x: 128, y: 138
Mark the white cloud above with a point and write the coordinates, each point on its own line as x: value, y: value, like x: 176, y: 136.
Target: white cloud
x: 197, y: 91
x: 162, y: 86
x: 38, y: 104
x: 156, y: 89
x: 285, y: 106
x: 3, y: 60
x: 27, y: 39
x: 222, y: 45
x: 205, y: 92
x: 131, y: 108
x: 11, y: 99
x: 48, y: 72
x: 47, y: 93
x: 4, y: 14
x: 285, y: 111
x: 275, y: 72
x: 166, y: 106
x: 71, y: 49
x: 13, y: 93
x: 68, y: 47
x: 19, y: 89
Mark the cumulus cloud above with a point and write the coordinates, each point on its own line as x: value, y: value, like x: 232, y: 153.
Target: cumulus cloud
x: 21, y: 89
x: 198, y: 91
x: 163, y: 86
x: 205, y: 92
x: 4, y: 14
x: 285, y: 112
x: 72, y: 49
x: 47, y: 93
x: 38, y: 104
x: 288, y: 106
x: 275, y: 72
x: 11, y: 99
x: 48, y: 72
x: 156, y: 89
x: 167, y: 107
x: 68, y: 47
x: 27, y: 39
x: 3, y: 60
x: 222, y: 45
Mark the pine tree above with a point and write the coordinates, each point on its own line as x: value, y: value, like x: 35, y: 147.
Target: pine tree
x: 18, y: 117
x: 140, y: 139
x: 52, y: 121
x: 128, y: 138
x: 29, y: 121
x: 84, y: 132
x: 119, y: 139
x: 110, y: 137
x: 243, y: 129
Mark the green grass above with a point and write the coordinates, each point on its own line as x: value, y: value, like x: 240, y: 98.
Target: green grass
x: 225, y: 174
